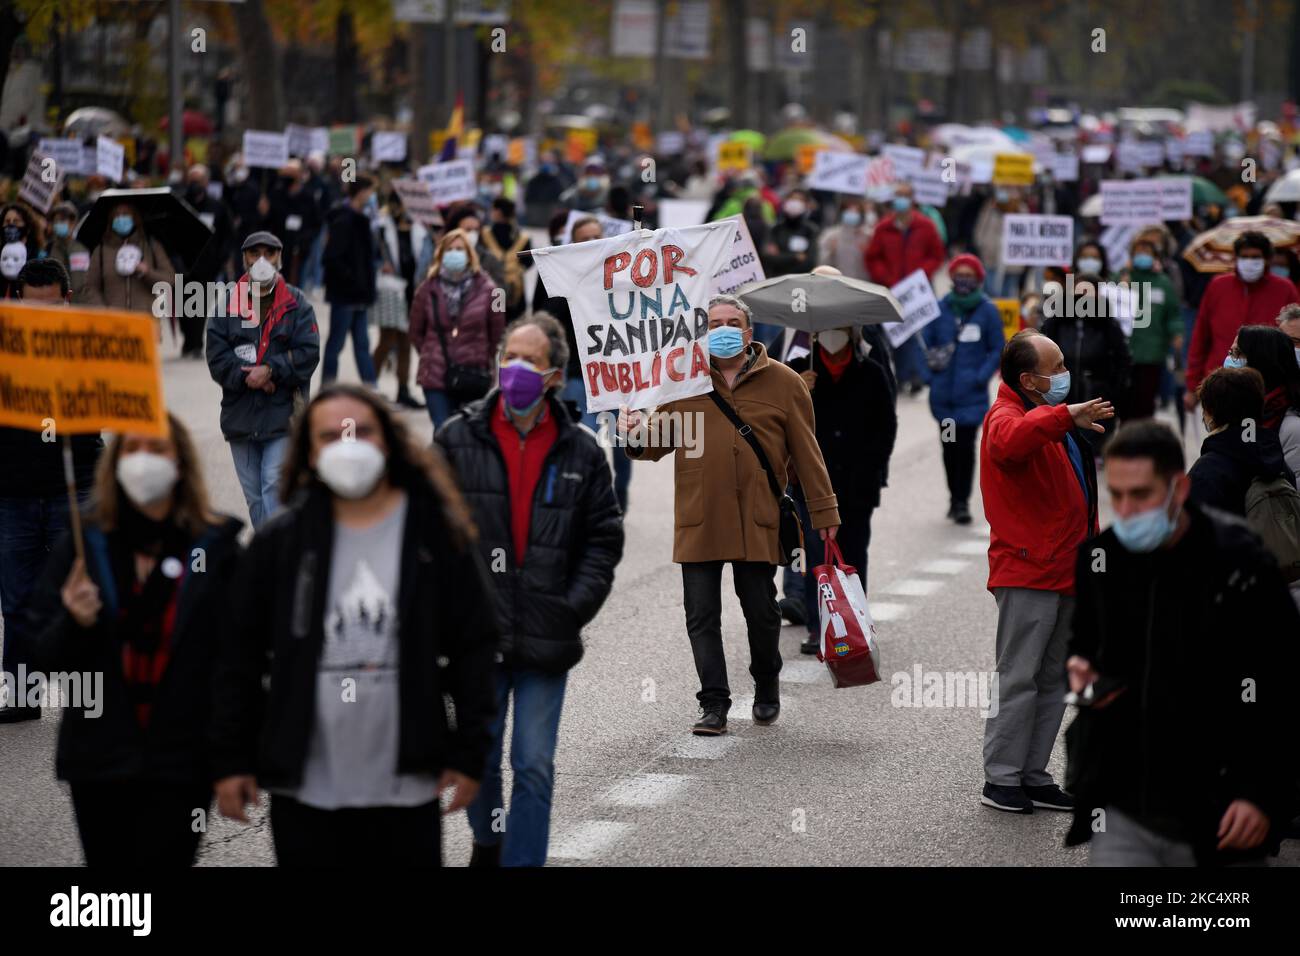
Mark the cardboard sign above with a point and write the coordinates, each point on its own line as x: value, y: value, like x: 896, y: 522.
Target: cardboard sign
x: 80, y: 370
x: 1144, y: 201
x: 67, y: 154
x: 608, y: 224
x: 1013, y: 169
x: 929, y: 188
x: 639, y: 304
x: 108, y: 158
x: 1029, y: 240
x: 304, y: 140
x: 265, y: 150
x: 343, y: 140
x: 388, y: 147
x: 1009, y: 310
x: 805, y: 156
x: 839, y: 172
x: 906, y: 159
x: 417, y: 201
x: 743, y: 267
x: 734, y: 156
x: 919, y: 307
x: 1116, y: 240
x: 35, y: 190
x: 449, y: 182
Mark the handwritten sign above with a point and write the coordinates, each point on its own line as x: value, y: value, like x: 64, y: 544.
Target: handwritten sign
x: 1037, y: 240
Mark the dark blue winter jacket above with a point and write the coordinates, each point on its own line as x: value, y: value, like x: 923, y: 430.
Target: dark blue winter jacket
x: 960, y: 391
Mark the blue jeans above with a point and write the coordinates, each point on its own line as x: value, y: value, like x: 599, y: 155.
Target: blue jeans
x: 575, y: 393
x: 257, y: 463
x: 345, y: 319
x: 310, y: 275
x: 525, y: 832
x: 439, y: 405
x: 29, y: 529
x: 909, y: 361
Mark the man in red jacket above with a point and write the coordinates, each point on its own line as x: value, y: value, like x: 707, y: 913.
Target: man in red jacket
x: 1040, y: 497
x: 1250, y: 295
x: 901, y: 244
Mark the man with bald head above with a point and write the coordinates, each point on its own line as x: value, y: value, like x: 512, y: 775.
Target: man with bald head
x: 1039, y: 484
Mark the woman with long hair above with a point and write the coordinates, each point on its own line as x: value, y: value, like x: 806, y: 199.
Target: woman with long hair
x: 454, y: 328
x: 144, y: 611
x: 364, y: 603
x: 1271, y: 353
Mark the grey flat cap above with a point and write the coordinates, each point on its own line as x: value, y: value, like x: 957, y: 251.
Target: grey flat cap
x: 262, y: 238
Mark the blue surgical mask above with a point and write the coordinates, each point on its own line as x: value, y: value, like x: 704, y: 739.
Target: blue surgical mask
x: 726, y: 342
x: 902, y: 204
x: 1059, y: 388
x: 1143, y: 261
x: 61, y: 229
x: 455, y: 260
x: 1230, y: 362
x: 123, y: 225
x: 1146, y: 530
x: 851, y: 218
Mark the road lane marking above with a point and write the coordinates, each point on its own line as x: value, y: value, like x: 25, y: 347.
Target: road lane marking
x: 804, y: 672
x: 885, y: 611
x: 645, y: 790
x: 914, y: 587
x: 703, y: 748
x: 944, y: 566
x: 970, y: 547
x: 588, y: 839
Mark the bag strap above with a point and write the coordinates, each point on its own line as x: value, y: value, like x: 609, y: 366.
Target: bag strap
x: 747, y: 433
x: 437, y: 322
x: 833, y: 553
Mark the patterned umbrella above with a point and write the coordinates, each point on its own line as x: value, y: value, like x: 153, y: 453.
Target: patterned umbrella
x: 1211, y: 251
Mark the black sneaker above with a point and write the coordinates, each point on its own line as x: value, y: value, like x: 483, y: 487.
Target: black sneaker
x: 792, y: 611
x: 1008, y: 799
x: 961, y: 512
x: 810, y: 646
x: 712, y: 722
x: 1050, y: 797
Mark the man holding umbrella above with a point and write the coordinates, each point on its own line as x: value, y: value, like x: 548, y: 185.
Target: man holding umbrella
x: 725, y: 511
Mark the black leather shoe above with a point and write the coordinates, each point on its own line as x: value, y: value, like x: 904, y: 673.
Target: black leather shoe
x: 961, y: 513
x: 485, y: 856
x: 766, y: 713
x: 712, y: 722
x: 792, y: 611
x: 810, y: 646
x: 16, y: 715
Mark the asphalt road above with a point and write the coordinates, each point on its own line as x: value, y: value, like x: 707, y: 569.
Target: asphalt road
x: 845, y: 777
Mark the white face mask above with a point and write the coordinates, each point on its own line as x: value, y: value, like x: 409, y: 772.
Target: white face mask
x: 263, y: 273
x: 1250, y: 269
x: 1089, y: 266
x: 12, y: 259
x: 351, y: 469
x: 145, y: 477
x: 794, y: 208
x: 834, y: 340
x: 128, y: 258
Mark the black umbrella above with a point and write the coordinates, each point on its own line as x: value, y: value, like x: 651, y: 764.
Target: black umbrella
x: 166, y: 217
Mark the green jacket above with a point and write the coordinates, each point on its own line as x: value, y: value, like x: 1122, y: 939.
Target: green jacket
x: 1150, y: 345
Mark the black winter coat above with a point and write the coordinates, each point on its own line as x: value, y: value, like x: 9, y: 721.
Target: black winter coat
x: 1096, y: 353
x: 349, y: 258
x: 1183, y: 630
x: 574, y: 541
x: 113, y: 746
x: 1228, y: 464
x: 276, y: 628
x: 856, y: 425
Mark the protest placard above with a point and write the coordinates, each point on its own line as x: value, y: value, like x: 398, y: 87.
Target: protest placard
x: 609, y: 226
x: 343, y: 140
x: 1009, y: 312
x: 1142, y: 201
x: 919, y: 307
x: 1096, y: 153
x: 734, y: 157
x: 1029, y: 240
x: 450, y: 181
x: 1013, y: 169
x: 67, y: 154
x: 265, y: 150
x: 805, y: 156
x: 108, y: 158
x: 676, y: 213
x: 839, y: 172
x: 1116, y: 240
x: 1199, y: 143
x: 417, y: 201
x: 639, y: 304
x: 743, y: 266
x: 41, y: 183
x: 1151, y: 153
x: 304, y: 140
x: 387, y: 146
x: 79, y: 370
x: 929, y: 187
x: 1065, y: 167
x: 906, y: 159
x: 671, y: 143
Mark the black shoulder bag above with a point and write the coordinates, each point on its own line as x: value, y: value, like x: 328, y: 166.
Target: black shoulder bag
x: 790, y: 531
x: 462, y: 383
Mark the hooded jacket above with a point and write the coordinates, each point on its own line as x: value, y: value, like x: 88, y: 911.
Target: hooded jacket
x: 1230, y: 460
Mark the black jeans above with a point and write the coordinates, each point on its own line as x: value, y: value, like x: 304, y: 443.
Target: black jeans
x: 702, y: 594
x: 853, y: 538
x: 393, y: 836
x: 137, y: 823
x: 959, y: 462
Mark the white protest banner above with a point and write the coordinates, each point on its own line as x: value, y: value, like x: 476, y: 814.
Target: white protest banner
x: 1115, y: 240
x: 1123, y: 304
x: 919, y: 307
x: 671, y: 143
x: 1029, y: 240
x: 676, y: 213
x: 1199, y: 143
x: 304, y: 140
x: 839, y: 172
x: 450, y: 181
x: 744, y: 265
x: 41, y: 183
x: 639, y: 304
x: 108, y: 158
x: 1065, y: 167
x: 1175, y: 198
x: 929, y: 187
x: 388, y: 147
x: 1151, y: 153
x: 880, y: 178
x: 1128, y: 157
x: 905, y: 158
x: 417, y: 201
x: 66, y: 153
x: 1096, y: 153
x: 265, y: 150
x: 494, y: 144
x: 609, y: 226
x: 1143, y: 201
x: 1173, y: 150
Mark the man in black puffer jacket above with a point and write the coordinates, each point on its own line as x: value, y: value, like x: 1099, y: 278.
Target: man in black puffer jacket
x: 550, y: 529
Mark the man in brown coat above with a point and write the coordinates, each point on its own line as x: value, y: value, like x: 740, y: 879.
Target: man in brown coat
x: 724, y: 509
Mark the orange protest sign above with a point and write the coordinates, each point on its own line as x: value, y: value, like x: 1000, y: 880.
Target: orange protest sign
x: 806, y: 156
x: 579, y: 144
x: 1013, y: 169
x: 517, y: 152
x: 642, y: 138
x: 77, y: 371
x: 1010, y: 312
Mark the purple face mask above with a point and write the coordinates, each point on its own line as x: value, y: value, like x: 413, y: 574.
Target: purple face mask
x: 522, y: 384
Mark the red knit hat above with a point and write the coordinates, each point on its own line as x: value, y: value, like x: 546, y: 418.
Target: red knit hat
x: 966, y: 259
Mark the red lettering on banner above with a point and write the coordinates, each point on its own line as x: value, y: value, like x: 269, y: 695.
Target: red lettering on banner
x: 608, y: 380
x: 593, y: 378
x: 615, y: 263
x: 644, y: 256
x: 624, y: 378
x: 671, y: 364
x: 672, y: 256
x: 656, y: 369
x: 636, y: 377
x: 699, y: 363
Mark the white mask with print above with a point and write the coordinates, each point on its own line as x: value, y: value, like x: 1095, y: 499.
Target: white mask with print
x: 128, y: 258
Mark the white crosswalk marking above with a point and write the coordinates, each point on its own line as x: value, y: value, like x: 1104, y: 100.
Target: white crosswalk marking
x: 914, y: 587
x: 646, y: 789
x: 804, y: 672
x: 704, y: 748
x: 970, y: 547
x: 944, y: 566
x: 885, y: 611
x: 588, y: 839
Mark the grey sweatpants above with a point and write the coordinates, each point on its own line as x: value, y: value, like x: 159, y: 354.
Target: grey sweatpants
x: 1124, y: 841
x: 1033, y: 632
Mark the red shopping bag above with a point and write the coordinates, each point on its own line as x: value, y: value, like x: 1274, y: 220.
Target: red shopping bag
x: 848, y: 635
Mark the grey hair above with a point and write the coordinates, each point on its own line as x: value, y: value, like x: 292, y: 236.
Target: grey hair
x: 1289, y: 313
x: 555, y: 337
x: 736, y: 303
